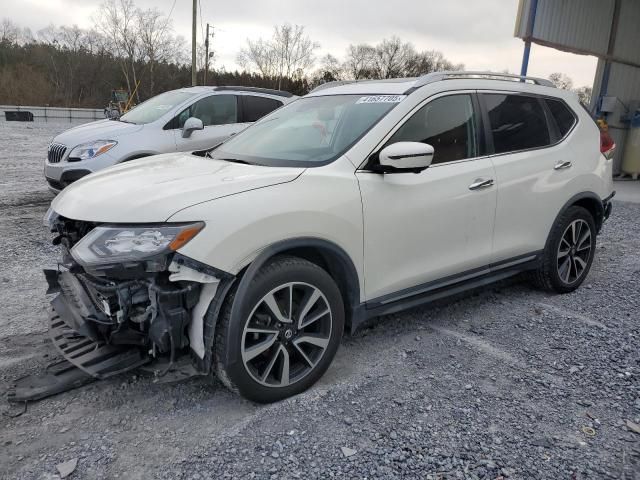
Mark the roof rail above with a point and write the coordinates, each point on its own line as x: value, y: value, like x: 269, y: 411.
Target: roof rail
x: 267, y: 91
x: 335, y: 83
x: 449, y: 75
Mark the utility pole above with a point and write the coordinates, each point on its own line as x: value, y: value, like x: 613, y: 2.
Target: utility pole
x: 206, y: 53
x: 194, y: 80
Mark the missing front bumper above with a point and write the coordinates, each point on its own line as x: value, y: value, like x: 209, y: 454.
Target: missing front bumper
x: 95, y: 358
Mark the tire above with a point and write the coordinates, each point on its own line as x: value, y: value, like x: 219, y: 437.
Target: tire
x: 566, y: 261
x: 279, y: 342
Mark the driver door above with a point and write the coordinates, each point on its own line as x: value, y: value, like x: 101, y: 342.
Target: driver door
x: 437, y: 224
x: 219, y: 115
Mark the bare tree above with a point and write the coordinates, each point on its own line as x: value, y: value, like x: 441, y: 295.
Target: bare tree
x: 156, y: 42
x: 330, y: 70
x: 117, y: 20
x: 428, y: 61
x: 560, y: 80
x: 584, y: 95
x: 259, y: 55
x: 9, y: 31
x: 289, y: 53
x: 359, y: 63
x: 294, y: 49
x: 391, y: 57
x: 563, y: 81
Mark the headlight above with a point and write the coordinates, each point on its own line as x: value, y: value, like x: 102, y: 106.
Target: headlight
x: 85, y: 151
x: 49, y: 218
x: 116, y: 244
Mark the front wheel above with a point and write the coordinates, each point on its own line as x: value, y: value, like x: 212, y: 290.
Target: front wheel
x: 569, y: 252
x: 288, y: 331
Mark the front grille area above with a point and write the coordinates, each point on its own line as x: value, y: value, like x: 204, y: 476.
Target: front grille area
x: 56, y: 152
x: 55, y: 185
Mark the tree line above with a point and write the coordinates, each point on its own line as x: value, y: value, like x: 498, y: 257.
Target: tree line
x: 138, y: 50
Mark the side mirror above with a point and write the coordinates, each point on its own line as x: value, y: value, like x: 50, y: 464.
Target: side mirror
x: 406, y: 156
x: 191, y: 124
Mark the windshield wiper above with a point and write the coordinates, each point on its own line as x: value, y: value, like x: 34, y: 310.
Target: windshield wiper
x: 233, y: 160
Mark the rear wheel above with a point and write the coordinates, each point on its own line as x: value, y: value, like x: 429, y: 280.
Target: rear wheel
x: 569, y: 253
x: 289, y: 330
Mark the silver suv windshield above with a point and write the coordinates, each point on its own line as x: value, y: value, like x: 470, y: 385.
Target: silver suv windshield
x: 152, y: 109
x: 308, y: 132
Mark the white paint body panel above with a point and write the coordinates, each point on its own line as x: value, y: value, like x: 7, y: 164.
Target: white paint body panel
x: 152, y: 189
x: 322, y: 203
x: 426, y: 226
x: 399, y: 230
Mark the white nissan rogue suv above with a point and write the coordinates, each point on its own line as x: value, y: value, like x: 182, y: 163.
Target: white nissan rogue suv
x: 357, y: 200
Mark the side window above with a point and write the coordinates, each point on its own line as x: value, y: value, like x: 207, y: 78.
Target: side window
x: 562, y: 115
x: 257, y: 107
x: 517, y: 122
x: 447, y: 124
x: 212, y: 110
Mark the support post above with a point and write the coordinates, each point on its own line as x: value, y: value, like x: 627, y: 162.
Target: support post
x: 533, y: 8
x: 606, y: 71
x: 206, y: 56
x: 194, y: 80
x: 525, y: 60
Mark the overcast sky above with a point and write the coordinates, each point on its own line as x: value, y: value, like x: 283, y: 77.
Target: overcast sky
x: 478, y: 33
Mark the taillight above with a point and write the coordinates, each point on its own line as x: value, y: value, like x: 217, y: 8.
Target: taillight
x: 607, y: 145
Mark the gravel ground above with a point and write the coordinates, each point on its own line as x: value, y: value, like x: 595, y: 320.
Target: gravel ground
x: 506, y: 383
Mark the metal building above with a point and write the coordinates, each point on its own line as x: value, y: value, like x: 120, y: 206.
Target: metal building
x: 606, y: 29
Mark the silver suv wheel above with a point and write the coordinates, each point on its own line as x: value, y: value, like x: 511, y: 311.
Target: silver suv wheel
x: 286, y: 334
x: 574, y: 251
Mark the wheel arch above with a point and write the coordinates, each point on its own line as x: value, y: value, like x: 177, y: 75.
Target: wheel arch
x: 589, y: 201
x: 326, y: 254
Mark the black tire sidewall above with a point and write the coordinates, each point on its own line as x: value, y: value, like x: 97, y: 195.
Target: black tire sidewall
x: 278, y: 273
x: 572, y: 214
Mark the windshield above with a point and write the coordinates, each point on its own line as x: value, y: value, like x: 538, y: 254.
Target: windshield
x: 308, y: 132
x: 155, y: 107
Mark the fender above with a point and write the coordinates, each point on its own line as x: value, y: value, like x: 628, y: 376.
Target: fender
x: 352, y: 293
x: 575, y: 199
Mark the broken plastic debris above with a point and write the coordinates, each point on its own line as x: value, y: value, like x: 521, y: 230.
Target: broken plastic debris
x: 67, y: 468
x: 634, y: 427
x: 589, y: 431
x: 348, y: 452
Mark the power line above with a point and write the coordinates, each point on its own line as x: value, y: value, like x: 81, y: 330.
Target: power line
x: 166, y: 23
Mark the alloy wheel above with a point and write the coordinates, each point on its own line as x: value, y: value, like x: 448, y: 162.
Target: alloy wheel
x: 574, y: 251
x: 286, y: 334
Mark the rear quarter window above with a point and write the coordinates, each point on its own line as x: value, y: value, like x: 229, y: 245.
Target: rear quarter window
x: 517, y: 122
x: 564, y: 117
x: 257, y: 107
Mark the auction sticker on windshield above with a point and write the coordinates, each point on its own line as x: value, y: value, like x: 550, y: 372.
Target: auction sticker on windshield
x: 382, y: 99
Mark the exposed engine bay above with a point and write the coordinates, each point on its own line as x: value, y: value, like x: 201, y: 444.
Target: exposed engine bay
x: 135, y: 307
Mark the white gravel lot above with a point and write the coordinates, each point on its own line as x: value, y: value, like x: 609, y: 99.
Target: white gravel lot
x: 506, y: 383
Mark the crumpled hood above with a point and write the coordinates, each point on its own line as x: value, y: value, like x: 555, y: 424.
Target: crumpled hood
x: 154, y: 188
x: 100, y: 130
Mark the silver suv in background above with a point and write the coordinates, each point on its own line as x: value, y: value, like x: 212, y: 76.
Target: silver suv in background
x: 187, y: 119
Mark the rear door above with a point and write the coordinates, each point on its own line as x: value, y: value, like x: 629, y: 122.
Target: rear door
x: 533, y: 168
x: 220, y: 116
x: 436, y: 224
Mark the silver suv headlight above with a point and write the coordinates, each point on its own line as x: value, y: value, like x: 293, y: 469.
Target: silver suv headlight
x: 85, y: 151
x: 109, y: 244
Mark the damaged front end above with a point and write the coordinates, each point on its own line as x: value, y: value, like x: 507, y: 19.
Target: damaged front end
x: 125, y: 297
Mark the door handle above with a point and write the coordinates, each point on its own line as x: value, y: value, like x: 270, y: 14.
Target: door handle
x: 562, y: 165
x: 481, y: 183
